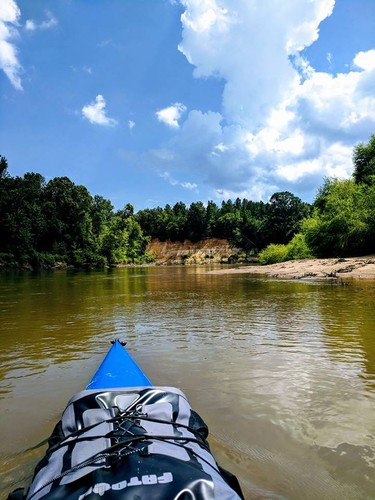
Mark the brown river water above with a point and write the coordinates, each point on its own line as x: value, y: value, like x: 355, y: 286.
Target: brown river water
x: 283, y: 372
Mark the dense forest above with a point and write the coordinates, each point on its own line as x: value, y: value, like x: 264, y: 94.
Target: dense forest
x: 42, y: 223
x: 250, y: 225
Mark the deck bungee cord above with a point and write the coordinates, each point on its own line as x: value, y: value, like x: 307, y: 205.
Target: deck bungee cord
x: 129, y: 441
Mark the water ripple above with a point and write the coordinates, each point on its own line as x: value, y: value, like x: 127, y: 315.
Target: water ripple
x: 283, y: 371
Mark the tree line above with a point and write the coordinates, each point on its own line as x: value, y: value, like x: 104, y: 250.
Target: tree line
x: 42, y: 223
x: 46, y: 222
x: 249, y: 225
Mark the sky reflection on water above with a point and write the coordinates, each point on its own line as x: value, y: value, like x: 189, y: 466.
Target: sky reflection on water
x: 282, y: 371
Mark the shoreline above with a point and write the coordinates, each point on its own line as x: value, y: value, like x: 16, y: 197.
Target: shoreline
x: 315, y: 269
x: 337, y: 269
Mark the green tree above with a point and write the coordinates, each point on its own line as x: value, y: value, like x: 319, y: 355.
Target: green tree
x: 341, y: 222
x: 229, y: 226
x: 3, y: 167
x: 284, y: 216
x: 101, y: 215
x: 61, y: 220
x: 123, y: 241
x: 127, y: 211
x: 176, y: 227
x: 196, y: 222
x: 227, y: 207
x: 150, y: 220
x: 251, y: 232
x: 21, y: 217
x: 68, y: 210
x: 364, y: 162
x: 211, y: 218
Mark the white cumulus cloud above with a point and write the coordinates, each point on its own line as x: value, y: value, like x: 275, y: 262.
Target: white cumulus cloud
x: 48, y: 23
x: 248, y: 44
x: 282, y: 124
x: 95, y: 112
x: 365, y: 60
x: 9, y: 17
x: 171, y: 115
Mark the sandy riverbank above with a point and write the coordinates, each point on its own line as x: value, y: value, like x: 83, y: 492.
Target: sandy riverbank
x: 350, y: 267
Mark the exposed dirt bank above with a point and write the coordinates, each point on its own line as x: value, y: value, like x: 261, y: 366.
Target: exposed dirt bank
x: 210, y: 251
x: 350, y: 267
x: 203, y: 252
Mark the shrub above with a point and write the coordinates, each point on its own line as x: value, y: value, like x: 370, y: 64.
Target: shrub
x: 273, y: 254
x: 46, y: 260
x: 297, y: 248
x: 7, y: 258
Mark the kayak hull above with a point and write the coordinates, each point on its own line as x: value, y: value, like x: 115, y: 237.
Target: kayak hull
x: 118, y: 369
x: 124, y: 438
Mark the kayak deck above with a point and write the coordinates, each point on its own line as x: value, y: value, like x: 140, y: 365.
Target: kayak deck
x: 118, y: 369
x: 124, y: 439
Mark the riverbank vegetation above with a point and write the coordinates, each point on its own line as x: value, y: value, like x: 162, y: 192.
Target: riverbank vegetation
x: 249, y: 225
x: 60, y: 223
x: 45, y: 223
x: 342, y: 222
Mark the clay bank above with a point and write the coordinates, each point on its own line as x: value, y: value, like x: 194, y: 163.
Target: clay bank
x: 210, y: 251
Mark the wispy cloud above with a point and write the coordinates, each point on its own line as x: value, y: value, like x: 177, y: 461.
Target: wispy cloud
x: 131, y: 124
x: 48, y: 23
x: 171, y: 115
x: 189, y: 185
x: 95, y: 113
x: 84, y: 69
x: 9, y: 17
x: 104, y: 43
x: 173, y: 182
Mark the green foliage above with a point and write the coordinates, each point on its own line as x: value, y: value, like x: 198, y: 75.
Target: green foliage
x: 123, y: 240
x: 3, y: 167
x: 48, y: 260
x: 41, y: 224
x: 229, y: 225
x: 247, y: 224
x: 21, y: 218
x: 298, y: 248
x: 6, y: 259
x: 68, y: 213
x: 273, y: 253
x: 196, y: 222
x: 342, y: 221
x: 364, y: 162
x: 284, y: 217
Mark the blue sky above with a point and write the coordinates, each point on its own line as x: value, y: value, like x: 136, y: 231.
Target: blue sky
x: 158, y: 101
